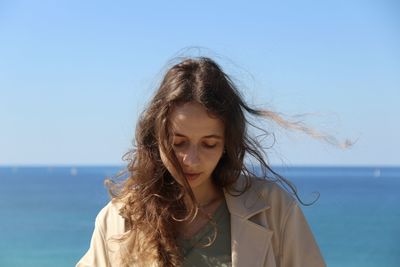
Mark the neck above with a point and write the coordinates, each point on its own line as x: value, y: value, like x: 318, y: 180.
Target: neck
x: 207, y: 194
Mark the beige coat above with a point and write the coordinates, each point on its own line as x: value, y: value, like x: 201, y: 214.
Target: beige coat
x: 268, y: 229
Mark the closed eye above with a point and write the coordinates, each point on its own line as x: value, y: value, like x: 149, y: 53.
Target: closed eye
x: 210, y: 146
x: 179, y: 144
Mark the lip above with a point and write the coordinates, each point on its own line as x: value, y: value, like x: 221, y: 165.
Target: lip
x: 192, y: 176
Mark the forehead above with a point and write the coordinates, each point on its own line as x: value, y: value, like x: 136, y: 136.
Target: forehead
x: 192, y: 119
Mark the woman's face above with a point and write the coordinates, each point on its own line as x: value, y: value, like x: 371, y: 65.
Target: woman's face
x: 198, y: 143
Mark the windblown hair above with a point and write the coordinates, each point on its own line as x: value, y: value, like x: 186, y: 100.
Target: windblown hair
x: 152, y: 201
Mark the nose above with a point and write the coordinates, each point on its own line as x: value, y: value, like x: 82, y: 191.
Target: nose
x: 191, y: 157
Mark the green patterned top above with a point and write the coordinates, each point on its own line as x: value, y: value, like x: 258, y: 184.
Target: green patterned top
x: 218, y: 254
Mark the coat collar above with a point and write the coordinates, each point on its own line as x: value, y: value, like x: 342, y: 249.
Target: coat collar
x: 250, y: 237
x: 248, y: 203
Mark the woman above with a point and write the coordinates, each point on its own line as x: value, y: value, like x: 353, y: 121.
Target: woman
x: 189, y: 199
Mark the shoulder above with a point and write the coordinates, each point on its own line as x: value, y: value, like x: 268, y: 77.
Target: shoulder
x: 281, y: 204
x: 272, y: 192
x: 109, y: 221
x: 109, y: 225
x: 260, y: 195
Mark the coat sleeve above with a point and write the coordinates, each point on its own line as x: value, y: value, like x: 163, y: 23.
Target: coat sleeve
x: 299, y: 248
x: 97, y: 255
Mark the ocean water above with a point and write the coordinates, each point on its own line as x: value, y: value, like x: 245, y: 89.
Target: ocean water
x: 47, y: 213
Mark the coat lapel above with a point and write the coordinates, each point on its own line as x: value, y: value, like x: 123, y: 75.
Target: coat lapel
x: 250, y: 241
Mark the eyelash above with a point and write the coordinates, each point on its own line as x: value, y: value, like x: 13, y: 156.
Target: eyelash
x: 210, y: 146
x: 205, y: 145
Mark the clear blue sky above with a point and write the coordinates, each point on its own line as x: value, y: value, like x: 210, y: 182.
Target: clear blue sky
x: 75, y: 74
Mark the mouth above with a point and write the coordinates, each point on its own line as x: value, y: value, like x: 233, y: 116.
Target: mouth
x: 192, y: 176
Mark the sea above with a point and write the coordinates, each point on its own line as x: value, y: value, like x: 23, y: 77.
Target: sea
x: 47, y: 213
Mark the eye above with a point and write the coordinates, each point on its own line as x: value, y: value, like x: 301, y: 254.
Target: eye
x: 210, y: 146
x: 178, y: 144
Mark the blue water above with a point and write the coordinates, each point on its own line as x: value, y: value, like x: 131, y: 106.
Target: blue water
x: 47, y: 214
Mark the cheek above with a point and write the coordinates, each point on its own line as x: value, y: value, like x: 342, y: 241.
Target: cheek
x: 212, y: 159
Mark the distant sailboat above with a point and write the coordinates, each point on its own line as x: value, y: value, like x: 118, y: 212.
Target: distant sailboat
x: 73, y: 171
x: 377, y: 173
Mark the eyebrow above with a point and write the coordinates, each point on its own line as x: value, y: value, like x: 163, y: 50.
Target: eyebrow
x: 207, y: 136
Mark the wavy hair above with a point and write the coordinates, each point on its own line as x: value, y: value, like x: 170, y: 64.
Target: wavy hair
x: 152, y: 201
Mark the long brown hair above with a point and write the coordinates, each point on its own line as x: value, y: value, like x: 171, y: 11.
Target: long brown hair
x: 152, y: 201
